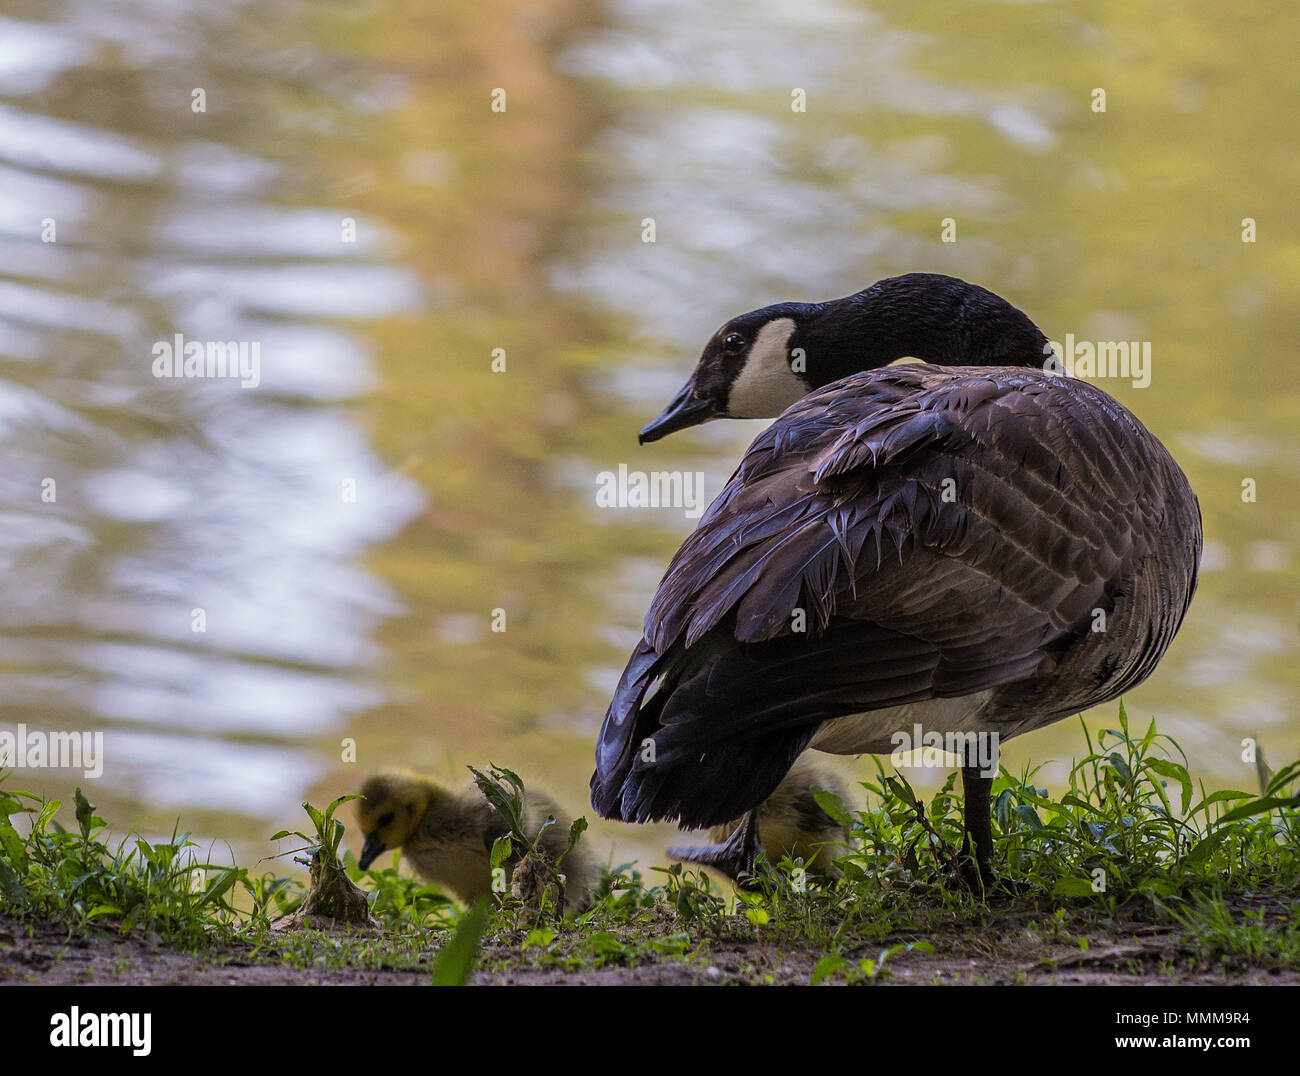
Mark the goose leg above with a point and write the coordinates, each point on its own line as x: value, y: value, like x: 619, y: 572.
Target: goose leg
x: 734, y: 856
x: 976, y: 789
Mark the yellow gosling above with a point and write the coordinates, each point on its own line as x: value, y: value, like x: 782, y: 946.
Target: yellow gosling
x: 448, y: 836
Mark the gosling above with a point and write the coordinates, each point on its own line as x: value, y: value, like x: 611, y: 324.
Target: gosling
x: 448, y: 836
x: 791, y: 823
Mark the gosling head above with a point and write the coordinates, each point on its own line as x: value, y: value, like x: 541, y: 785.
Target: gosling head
x: 760, y: 363
x: 395, y: 802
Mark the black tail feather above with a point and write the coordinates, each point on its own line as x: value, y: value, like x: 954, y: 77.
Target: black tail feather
x: 678, y: 777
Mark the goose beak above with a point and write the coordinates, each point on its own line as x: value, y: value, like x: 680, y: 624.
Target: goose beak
x: 686, y: 410
x: 370, y: 851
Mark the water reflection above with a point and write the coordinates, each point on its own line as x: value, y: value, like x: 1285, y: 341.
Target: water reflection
x: 180, y: 562
x: 349, y: 526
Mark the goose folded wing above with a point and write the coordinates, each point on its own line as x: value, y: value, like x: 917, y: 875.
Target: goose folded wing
x: 899, y: 536
x: 944, y: 502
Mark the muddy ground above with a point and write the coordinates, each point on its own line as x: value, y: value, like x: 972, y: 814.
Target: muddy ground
x: 1009, y: 948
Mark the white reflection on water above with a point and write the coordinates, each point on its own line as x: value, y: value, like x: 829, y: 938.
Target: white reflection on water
x: 174, y: 771
x: 40, y: 142
x: 32, y: 54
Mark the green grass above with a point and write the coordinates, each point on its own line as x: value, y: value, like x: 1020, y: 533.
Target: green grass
x: 1261, y: 937
x: 1131, y: 830
x: 1130, y: 824
x: 76, y: 877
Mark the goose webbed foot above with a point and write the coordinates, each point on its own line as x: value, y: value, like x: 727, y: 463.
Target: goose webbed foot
x: 735, y: 857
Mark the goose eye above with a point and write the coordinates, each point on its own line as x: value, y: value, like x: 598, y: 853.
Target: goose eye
x: 734, y: 342
x: 386, y: 820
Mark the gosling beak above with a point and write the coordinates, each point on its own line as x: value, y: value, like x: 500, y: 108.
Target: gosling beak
x: 370, y: 851
x: 685, y: 410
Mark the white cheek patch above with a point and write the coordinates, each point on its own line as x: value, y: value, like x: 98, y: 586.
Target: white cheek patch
x: 766, y: 385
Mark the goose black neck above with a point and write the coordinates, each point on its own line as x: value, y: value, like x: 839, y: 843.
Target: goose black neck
x: 937, y: 319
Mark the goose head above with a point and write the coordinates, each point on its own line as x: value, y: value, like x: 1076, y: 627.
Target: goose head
x: 395, y: 802
x: 758, y: 364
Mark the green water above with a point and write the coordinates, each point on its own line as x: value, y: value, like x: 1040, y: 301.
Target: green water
x: 349, y: 525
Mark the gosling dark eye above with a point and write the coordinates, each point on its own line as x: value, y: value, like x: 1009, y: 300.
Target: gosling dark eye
x: 733, y: 343
x: 386, y: 820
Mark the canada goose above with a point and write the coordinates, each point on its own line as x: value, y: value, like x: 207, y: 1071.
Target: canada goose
x: 448, y: 836
x: 971, y: 544
x: 791, y: 823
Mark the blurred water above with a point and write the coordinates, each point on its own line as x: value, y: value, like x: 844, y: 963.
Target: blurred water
x: 348, y: 526
x: 164, y: 497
